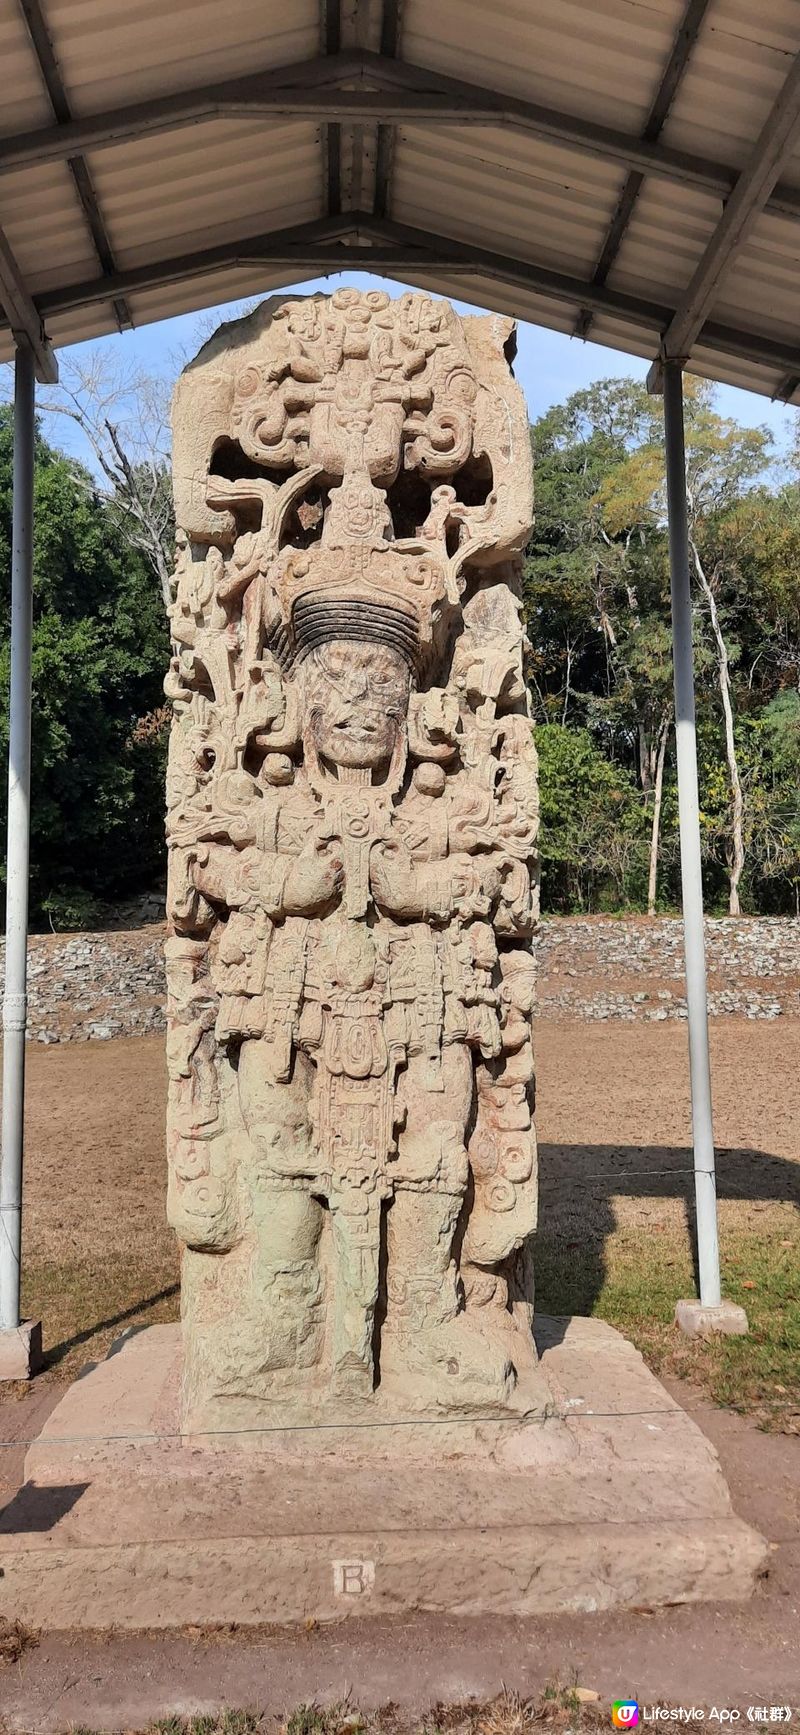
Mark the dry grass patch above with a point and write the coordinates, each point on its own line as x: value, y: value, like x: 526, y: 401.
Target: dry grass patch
x: 559, y: 1709
x: 86, y: 1305
x: 14, y: 1639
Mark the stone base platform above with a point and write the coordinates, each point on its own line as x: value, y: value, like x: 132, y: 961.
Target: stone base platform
x: 615, y: 1499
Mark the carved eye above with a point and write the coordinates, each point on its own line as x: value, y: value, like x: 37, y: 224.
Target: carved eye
x: 334, y: 662
x: 248, y: 383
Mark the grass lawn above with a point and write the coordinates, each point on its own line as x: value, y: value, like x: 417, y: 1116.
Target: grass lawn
x: 758, y: 1374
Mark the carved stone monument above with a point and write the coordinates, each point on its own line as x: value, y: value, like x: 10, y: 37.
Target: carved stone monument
x: 352, y: 824
x: 352, y: 1165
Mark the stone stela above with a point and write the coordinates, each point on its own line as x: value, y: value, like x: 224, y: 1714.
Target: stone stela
x: 352, y: 819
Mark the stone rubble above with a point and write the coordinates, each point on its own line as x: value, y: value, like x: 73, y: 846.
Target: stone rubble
x: 94, y: 987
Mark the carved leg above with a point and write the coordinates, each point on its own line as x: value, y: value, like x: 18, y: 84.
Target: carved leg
x: 257, y: 1315
x: 442, y: 1352
x: 428, y: 1340
x: 356, y: 1217
x: 287, y: 1218
x: 286, y: 1275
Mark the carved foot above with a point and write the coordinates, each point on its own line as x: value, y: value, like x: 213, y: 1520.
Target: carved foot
x: 455, y: 1366
x: 351, y: 1378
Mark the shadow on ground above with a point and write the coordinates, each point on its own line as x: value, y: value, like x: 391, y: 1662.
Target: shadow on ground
x: 583, y: 1194
x: 60, y: 1350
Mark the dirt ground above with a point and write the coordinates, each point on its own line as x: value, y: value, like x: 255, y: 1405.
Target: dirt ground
x: 613, y: 1119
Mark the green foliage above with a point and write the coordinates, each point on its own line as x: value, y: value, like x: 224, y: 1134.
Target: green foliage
x: 99, y: 651
x: 774, y: 802
x: 593, y: 826
x: 597, y: 600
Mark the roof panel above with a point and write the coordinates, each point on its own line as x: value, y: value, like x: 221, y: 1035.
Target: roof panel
x: 664, y: 239
x: 503, y: 189
x: 23, y: 99
x: 735, y: 72
x: 590, y: 58
x: 109, y: 53
x: 765, y: 273
x: 206, y: 185
x: 487, y: 189
x: 45, y: 226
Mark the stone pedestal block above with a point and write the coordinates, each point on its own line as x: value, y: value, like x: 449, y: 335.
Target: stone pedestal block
x: 613, y: 1499
x: 21, y: 1350
x: 696, y: 1320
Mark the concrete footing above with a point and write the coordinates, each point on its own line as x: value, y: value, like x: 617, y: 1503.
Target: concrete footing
x: 696, y: 1320
x: 614, y: 1499
x: 21, y: 1350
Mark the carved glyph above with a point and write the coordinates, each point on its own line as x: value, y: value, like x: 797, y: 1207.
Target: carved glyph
x: 352, y: 818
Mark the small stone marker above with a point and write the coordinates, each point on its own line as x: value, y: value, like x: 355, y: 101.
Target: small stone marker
x: 21, y: 1350
x: 353, y: 1577
x: 696, y: 1320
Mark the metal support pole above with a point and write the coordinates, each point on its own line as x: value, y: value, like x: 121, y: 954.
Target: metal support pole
x: 689, y: 822
x: 17, y: 857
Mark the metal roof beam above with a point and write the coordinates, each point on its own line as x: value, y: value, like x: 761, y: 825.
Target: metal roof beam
x: 688, y: 32
x: 786, y: 389
x: 395, y: 92
x: 320, y: 243
x: 391, y: 247
x: 24, y: 317
x: 772, y: 150
x: 331, y: 34
x: 81, y: 177
x: 303, y: 243
x: 385, y: 142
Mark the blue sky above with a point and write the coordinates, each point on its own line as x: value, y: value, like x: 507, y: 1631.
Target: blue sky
x: 549, y: 365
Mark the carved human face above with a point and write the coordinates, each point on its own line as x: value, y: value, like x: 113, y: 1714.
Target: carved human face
x: 356, y: 700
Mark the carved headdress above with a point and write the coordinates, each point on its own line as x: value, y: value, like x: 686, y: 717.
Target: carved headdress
x: 357, y: 582
x: 360, y: 460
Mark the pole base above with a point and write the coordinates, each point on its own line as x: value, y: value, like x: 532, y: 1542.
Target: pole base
x: 695, y: 1320
x: 21, y: 1350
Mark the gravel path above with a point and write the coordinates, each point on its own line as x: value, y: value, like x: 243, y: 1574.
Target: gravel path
x: 98, y: 986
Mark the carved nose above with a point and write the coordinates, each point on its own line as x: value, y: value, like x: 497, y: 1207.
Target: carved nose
x: 363, y: 724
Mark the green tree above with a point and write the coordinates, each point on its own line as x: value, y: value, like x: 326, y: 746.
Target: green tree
x: 99, y: 651
x: 597, y: 589
x: 774, y: 801
x: 723, y: 461
x: 593, y: 833
x: 597, y: 604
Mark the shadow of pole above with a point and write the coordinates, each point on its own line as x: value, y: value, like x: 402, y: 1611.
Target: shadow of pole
x: 578, y: 1187
x: 60, y: 1350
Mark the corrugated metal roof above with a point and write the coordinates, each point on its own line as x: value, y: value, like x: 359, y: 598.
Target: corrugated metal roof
x: 533, y: 196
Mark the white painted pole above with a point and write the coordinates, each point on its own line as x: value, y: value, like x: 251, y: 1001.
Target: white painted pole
x: 689, y: 822
x: 18, y: 852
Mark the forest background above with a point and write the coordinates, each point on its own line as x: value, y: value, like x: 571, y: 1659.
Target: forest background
x: 596, y: 591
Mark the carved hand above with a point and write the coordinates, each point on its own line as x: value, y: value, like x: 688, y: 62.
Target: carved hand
x: 397, y: 883
x: 475, y: 881
x: 314, y: 879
